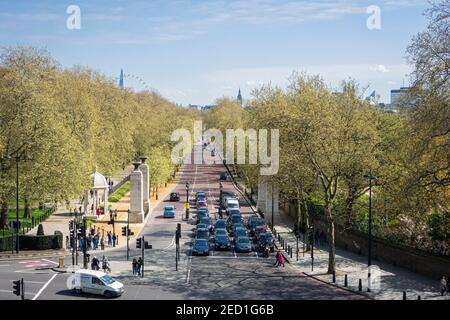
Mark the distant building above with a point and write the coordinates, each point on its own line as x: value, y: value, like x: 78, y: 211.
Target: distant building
x: 195, y: 106
x: 121, y: 78
x: 209, y: 107
x: 373, y: 98
x: 239, y: 97
x: 401, y: 97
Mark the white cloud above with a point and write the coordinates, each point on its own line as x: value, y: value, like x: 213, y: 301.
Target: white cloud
x: 380, y: 68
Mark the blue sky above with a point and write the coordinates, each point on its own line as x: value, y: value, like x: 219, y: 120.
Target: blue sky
x: 194, y: 51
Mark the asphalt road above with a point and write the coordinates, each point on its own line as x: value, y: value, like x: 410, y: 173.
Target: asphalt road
x: 222, y: 275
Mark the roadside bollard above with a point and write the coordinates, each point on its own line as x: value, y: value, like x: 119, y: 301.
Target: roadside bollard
x: 345, y: 281
x: 291, y: 252
x: 418, y: 298
x: 288, y: 250
x: 334, y: 276
x: 404, y: 295
x: 360, y: 285
x: 279, y: 238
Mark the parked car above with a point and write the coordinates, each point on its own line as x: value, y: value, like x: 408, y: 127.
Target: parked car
x: 242, y: 244
x: 96, y: 282
x: 222, y: 241
x: 175, y: 196
x: 169, y: 212
x: 200, y: 247
x: 202, y: 234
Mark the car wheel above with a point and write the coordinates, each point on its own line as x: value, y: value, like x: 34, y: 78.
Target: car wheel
x: 108, y: 294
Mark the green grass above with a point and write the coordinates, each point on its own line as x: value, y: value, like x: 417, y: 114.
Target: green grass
x: 120, y: 193
x: 35, y: 212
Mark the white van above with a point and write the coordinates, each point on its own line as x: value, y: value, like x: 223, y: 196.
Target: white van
x: 96, y: 282
x: 231, y: 203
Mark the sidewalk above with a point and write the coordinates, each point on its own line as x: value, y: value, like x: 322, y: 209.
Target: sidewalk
x: 389, y: 282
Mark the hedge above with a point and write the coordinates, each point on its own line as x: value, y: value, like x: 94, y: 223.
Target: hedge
x: 31, y: 242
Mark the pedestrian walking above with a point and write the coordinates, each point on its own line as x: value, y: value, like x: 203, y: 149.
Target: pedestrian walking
x: 139, y: 266
x: 102, y: 243
x: 105, y: 265
x: 114, y: 238
x: 443, y: 285
x: 277, y: 259
x: 95, y: 264
x: 281, y: 260
x: 67, y: 242
x: 109, y: 238
x: 134, y: 266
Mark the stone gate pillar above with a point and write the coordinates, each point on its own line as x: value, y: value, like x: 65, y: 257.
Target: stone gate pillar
x: 146, y: 184
x: 137, y: 195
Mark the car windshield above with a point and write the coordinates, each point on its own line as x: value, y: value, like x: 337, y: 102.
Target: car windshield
x: 222, y: 237
x: 201, y: 243
x: 243, y: 241
x: 107, y: 279
x: 232, y: 205
x: 236, y: 218
x: 204, y: 210
x: 205, y: 221
x: 220, y: 224
x: 201, y: 226
x: 202, y: 233
x: 169, y: 208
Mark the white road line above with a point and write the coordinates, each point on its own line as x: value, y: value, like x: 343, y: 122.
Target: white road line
x: 45, y: 286
x: 4, y: 265
x: 55, y: 263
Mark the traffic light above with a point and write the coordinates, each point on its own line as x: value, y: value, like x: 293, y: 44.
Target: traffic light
x: 138, y: 243
x: 71, y: 225
x: 17, y: 287
x: 124, y: 231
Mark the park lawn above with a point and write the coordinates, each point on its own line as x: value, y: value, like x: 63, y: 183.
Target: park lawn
x: 120, y: 193
x: 35, y: 212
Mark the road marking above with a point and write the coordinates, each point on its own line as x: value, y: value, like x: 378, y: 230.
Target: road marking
x: 51, y: 261
x: 10, y: 291
x: 45, y: 286
x: 4, y: 265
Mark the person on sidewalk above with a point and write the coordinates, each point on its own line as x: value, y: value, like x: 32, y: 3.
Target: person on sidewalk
x: 139, y: 266
x: 114, y: 239
x: 134, y: 266
x: 443, y: 285
x: 102, y: 244
x: 109, y: 238
x: 67, y: 242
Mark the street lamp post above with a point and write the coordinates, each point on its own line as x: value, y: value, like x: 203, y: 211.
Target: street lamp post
x: 369, y: 250
x: 273, y: 221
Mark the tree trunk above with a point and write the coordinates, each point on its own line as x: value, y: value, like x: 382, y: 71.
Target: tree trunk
x: 27, y: 210
x: 4, y: 215
x: 331, y: 242
x: 349, y: 201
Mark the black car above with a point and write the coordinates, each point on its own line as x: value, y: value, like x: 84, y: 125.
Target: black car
x: 174, y: 196
x: 200, y: 247
x: 222, y: 241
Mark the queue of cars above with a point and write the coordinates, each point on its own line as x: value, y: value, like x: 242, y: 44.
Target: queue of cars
x: 234, y: 229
